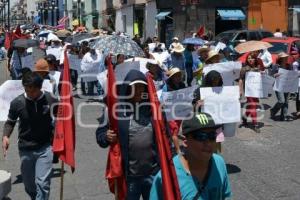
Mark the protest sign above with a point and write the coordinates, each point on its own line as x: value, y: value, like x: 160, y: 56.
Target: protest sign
x: 258, y: 85
x: 143, y: 63
x: 28, y: 61
x: 102, y: 79
x: 220, y: 46
x: 222, y: 103
x: 178, y: 104
x: 122, y: 70
x: 10, y: 89
x: 74, y: 62
x: 287, y: 81
x: 55, y: 51
x: 229, y: 71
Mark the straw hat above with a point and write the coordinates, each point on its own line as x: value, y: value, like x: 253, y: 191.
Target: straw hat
x: 41, y: 66
x: 178, y: 48
x: 212, y: 54
x: 203, y: 48
x: 282, y: 55
x: 173, y: 71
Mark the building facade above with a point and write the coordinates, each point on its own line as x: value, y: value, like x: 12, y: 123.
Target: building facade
x: 136, y: 17
x: 268, y: 14
x: 181, y: 18
x: 49, y: 11
x: 294, y: 17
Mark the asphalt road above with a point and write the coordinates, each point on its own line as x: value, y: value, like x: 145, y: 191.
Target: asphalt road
x: 262, y: 166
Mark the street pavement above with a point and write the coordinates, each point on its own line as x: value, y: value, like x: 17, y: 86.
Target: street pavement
x: 262, y: 166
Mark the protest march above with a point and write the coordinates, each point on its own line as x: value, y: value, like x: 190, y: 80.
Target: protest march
x: 167, y: 109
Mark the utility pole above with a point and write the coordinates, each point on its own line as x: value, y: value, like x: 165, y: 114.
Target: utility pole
x: 8, y: 14
x: 78, y: 10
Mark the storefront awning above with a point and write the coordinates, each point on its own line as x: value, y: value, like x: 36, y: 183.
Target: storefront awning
x: 231, y: 14
x: 162, y: 15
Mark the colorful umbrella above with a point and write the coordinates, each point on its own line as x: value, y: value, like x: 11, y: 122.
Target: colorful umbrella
x: 63, y: 33
x: 25, y: 43
x: 116, y: 44
x: 78, y: 37
x: 252, y: 45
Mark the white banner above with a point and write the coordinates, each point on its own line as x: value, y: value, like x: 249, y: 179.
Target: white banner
x: 178, y: 104
x: 222, y: 103
x: 287, y: 81
x: 10, y: 89
x: 74, y: 62
x: 229, y: 71
x: 258, y: 85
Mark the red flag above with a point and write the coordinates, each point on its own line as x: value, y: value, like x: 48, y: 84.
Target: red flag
x: 18, y: 34
x: 64, y: 137
x: 201, y: 31
x: 114, y: 168
x: 7, y: 42
x: 169, y: 178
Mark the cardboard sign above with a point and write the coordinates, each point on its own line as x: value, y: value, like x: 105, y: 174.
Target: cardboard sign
x: 229, y: 71
x: 258, y: 85
x: 178, y: 104
x: 10, y: 89
x: 222, y: 103
x: 287, y: 81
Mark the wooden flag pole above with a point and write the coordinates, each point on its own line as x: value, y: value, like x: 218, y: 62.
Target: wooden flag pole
x: 116, y: 189
x: 62, y: 181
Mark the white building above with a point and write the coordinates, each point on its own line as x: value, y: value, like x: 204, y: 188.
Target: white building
x: 136, y: 17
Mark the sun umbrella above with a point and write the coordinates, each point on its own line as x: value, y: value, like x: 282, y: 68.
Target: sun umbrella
x: 44, y: 33
x: 78, y: 37
x: 63, y: 33
x: 117, y: 44
x: 252, y: 46
x: 194, y: 41
x: 25, y: 43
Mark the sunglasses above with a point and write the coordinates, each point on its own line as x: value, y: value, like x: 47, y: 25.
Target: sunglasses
x: 202, y: 137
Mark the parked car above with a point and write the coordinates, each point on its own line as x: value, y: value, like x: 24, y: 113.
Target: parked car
x: 234, y: 37
x: 289, y: 45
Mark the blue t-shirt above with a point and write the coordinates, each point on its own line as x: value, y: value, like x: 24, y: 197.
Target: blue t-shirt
x: 217, y: 187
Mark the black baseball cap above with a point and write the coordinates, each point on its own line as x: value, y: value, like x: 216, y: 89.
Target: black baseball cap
x: 197, y: 122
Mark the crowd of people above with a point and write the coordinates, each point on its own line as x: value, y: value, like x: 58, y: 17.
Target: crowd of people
x: 200, y: 168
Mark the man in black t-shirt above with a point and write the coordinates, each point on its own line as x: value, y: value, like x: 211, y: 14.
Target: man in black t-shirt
x: 34, y: 109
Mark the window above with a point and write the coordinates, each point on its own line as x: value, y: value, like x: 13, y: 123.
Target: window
x: 253, y: 36
x: 267, y: 34
x: 124, y: 23
x: 278, y: 47
x: 242, y: 36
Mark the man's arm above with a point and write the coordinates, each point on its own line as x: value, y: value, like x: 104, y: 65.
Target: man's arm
x: 7, y: 131
x: 9, y: 125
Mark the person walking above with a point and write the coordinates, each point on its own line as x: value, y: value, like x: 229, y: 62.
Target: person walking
x: 252, y: 64
x: 34, y: 109
x: 137, y: 138
x: 201, y: 173
x: 282, y: 98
